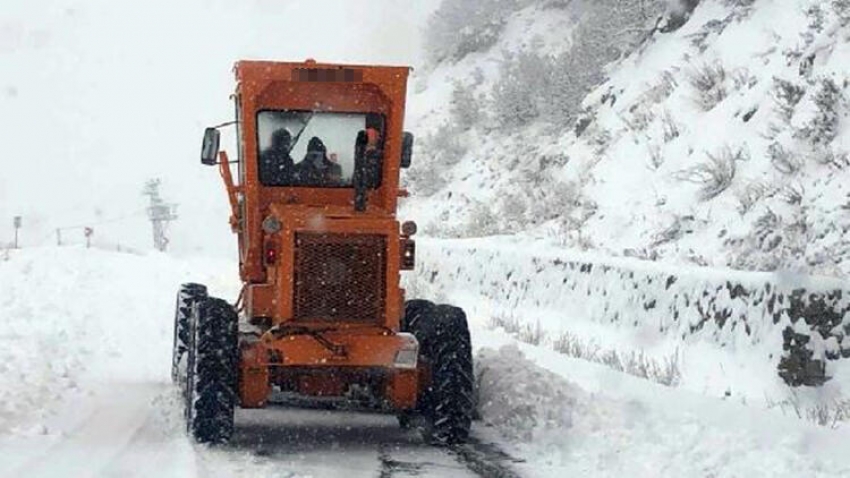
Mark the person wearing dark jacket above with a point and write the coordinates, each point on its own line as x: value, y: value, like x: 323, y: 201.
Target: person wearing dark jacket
x: 316, y: 169
x: 276, y: 165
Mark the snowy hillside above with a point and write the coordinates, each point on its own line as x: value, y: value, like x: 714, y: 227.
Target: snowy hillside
x: 723, y: 142
x: 85, y: 392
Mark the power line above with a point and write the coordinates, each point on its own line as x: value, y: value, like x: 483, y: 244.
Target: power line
x: 138, y: 213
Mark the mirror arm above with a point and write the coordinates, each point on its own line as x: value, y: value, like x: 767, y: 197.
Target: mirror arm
x: 224, y: 169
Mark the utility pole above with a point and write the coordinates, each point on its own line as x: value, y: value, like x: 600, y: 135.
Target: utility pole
x: 17, y: 222
x: 160, y: 213
x: 88, y: 232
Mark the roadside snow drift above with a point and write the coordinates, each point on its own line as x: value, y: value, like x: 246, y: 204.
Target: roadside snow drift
x: 729, y: 330
x: 73, y: 315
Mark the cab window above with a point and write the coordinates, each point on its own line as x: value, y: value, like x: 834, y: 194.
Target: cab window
x: 314, y: 149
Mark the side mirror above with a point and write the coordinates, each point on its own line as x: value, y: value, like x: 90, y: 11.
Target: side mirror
x: 406, y: 149
x: 209, y: 149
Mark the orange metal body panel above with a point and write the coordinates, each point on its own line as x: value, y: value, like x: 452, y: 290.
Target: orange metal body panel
x: 254, y: 383
x: 299, y: 360
x: 363, y: 350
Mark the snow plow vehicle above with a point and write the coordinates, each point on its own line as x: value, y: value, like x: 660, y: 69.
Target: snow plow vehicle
x: 321, y: 318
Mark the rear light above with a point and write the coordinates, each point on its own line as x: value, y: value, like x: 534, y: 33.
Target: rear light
x: 408, y: 355
x: 270, y: 254
x: 408, y: 255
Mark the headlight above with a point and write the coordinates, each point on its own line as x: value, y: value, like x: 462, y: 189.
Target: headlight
x: 271, y: 225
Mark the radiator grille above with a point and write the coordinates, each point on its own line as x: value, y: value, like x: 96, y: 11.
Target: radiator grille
x: 340, y: 277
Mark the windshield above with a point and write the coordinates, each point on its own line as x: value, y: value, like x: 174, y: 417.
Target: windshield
x: 312, y: 149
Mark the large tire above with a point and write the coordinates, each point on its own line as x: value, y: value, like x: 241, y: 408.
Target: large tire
x: 446, y: 405
x: 211, y: 383
x: 187, y: 296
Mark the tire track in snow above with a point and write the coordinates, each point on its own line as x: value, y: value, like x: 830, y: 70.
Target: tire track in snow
x: 485, y: 459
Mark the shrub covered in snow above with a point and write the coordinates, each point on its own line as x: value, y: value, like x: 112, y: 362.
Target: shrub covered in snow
x: 716, y: 174
x: 822, y: 128
x: 464, y: 107
x: 709, y: 82
x: 522, y: 88
x: 460, y: 27
x: 787, y: 95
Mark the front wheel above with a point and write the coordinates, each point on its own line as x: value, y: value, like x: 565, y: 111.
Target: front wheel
x: 211, y: 382
x: 187, y: 296
x: 446, y: 405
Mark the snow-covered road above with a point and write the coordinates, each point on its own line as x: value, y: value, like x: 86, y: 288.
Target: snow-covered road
x: 135, y: 430
x: 85, y: 393
x: 85, y: 340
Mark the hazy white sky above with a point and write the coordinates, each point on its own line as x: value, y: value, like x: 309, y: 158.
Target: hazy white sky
x: 98, y: 95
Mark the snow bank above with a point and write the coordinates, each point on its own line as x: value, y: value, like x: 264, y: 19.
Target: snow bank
x: 727, y: 325
x: 615, y: 425
x: 72, y: 314
x: 522, y: 401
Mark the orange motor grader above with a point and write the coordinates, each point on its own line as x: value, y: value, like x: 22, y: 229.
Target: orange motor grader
x: 321, y: 318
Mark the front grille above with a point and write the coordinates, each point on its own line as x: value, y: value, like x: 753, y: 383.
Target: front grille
x: 340, y: 277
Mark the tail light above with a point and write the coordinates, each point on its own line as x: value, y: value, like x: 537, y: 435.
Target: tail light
x: 270, y: 253
x: 408, y: 255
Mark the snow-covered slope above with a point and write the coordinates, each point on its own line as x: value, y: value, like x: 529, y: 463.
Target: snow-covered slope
x: 722, y: 143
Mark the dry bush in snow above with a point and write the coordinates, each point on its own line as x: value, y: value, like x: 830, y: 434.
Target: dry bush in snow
x: 709, y: 81
x: 775, y: 243
x: 638, y: 364
x: 669, y: 126
x: 717, y: 173
x: 784, y: 160
x: 830, y: 415
x: 786, y: 96
x: 528, y: 333
x: 750, y: 195
x: 823, y: 128
x: 638, y: 118
x: 656, y: 157
x: 792, y: 194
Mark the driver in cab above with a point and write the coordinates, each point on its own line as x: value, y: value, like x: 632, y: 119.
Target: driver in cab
x: 316, y: 169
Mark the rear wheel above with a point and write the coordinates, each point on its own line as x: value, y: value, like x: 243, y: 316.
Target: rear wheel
x: 446, y: 405
x: 211, y: 379
x: 187, y: 296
